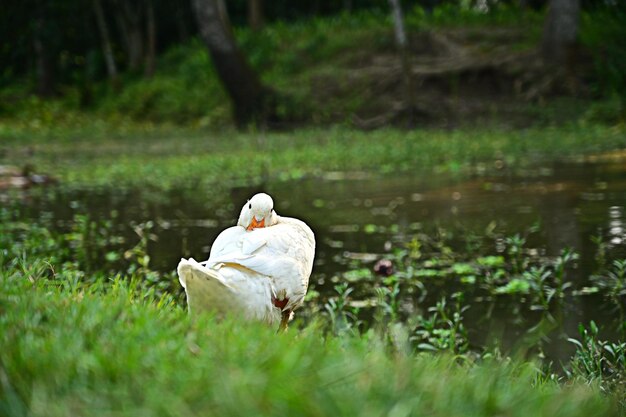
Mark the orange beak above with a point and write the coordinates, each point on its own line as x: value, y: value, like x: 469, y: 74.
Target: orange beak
x: 254, y: 224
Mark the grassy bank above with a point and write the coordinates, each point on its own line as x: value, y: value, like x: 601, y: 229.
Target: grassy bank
x: 87, y: 327
x: 82, y: 335
x: 164, y: 159
x: 112, y: 349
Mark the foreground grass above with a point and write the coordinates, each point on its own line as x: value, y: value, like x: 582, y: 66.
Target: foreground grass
x: 111, y: 349
x: 165, y: 159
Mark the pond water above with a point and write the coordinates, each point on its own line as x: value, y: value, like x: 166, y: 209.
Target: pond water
x: 358, y: 218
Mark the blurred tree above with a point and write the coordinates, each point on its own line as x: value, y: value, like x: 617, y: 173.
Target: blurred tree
x: 150, y: 39
x: 251, y: 100
x: 560, y: 31
x: 128, y: 19
x: 107, y: 49
x: 402, y: 44
x: 181, y: 22
x: 532, y: 4
x: 44, y: 60
x: 256, y: 19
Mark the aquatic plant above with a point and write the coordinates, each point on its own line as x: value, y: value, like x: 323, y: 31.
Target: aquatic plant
x: 343, y: 317
x: 71, y: 337
x: 443, y: 329
x: 612, y: 283
x: 600, y: 361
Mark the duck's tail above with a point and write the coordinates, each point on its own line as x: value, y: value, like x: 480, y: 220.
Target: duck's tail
x: 205, y: 288
x: 227, y: 289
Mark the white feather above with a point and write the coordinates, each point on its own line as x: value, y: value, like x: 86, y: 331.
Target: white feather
x: 247, y: 270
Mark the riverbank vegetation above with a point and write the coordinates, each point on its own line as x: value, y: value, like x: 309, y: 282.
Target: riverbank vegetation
x: 164, y: 159
x: 111, y: 348
x: 86, y: 319
x: 79, y: 337
x: 92, y: 324
x: 473, y: 67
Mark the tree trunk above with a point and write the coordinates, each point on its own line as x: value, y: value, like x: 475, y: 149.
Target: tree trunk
x: 255, y: 14
x: 401, y: 42
x: 181, y: 24
x: 43, y: 61
x: 121, y: 26
x: 135, y: 44
x: 151, y: 39
x: 106, y: 42
x: 250, y: 98
x: 129, y: 21
x: 560, y: 31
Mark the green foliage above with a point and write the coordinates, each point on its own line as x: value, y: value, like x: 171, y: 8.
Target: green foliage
x: 343, y: 317
x: 88, y: 328
x: 602, y: 32
x: 613, y: 279
x: 532, y: 286
x: 319, y: 74
x: 88, y: 252
x: 185, y: 90
x: 443, y: 329
x: 514, y: 286
x: 466, y: 15
x: 106, y: 342
x: 601, y: 361
x: 163, y: 159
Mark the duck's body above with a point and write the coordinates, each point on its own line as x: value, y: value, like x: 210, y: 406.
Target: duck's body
x: 260, y: 273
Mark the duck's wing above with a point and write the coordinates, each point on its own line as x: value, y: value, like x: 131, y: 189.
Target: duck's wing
x: 229, y: 240
x: 234, y: 244
x: 283, y: 252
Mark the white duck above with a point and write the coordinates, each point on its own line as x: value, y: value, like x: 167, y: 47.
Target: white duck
x: 259, y: 268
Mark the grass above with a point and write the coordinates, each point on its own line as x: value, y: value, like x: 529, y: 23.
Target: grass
x: 83, y: 334
x: 88, y: 328
x: 167, y: 159
x: 114, y: 349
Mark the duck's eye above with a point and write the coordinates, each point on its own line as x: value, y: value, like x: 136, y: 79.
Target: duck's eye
x: 250, y: 206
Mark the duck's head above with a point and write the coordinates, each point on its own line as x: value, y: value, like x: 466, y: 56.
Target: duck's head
x: 258, y: 212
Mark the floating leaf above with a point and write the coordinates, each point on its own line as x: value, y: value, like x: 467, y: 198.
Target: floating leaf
x: 491, y: 261
x: 112, y: 256
x: 469, y: 279
x: 463, y: 269
x: 370, y: 228
x: 515, y: 286
x: 428, y: 273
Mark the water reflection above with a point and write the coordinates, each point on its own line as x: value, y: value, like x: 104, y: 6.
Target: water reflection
x: 616, y: 225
